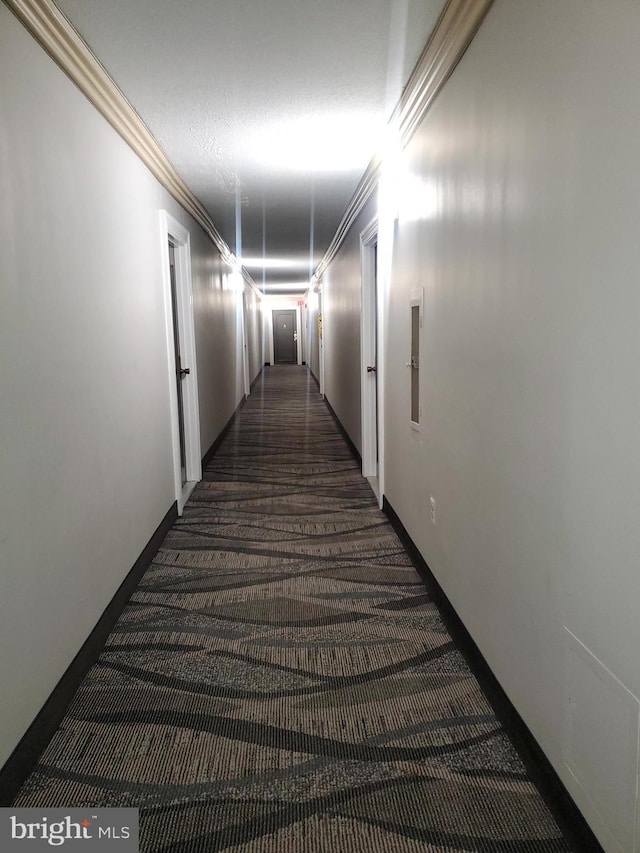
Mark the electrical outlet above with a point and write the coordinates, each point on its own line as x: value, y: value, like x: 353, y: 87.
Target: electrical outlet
x: 432, y: 505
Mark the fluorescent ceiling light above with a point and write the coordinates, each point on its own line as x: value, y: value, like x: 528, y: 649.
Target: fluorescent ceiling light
x: 291, y: 285
x: 322, y: 143
x: 275, y: 263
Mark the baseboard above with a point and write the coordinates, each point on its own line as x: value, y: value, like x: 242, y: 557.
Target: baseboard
x: 257, y: 379
x: 211, y: 452
x: 343, y: 431
x: 225, y: 429
x: 26, y: 754
x: 554, y: 793
x: 314, y: 377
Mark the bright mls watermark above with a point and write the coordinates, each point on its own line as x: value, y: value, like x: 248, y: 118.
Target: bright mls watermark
x: 69, y: 829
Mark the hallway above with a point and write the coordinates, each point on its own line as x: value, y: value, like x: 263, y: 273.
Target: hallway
x: 280, y: 679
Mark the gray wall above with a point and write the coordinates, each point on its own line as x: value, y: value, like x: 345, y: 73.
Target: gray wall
x: 217, y: 308
x: 313, y: 348
x: 518, y: 217
x: 85, y: 455
x: 254, y: 332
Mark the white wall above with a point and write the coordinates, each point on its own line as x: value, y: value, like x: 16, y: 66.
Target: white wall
x: 86, y: 469
x: 519, y: 215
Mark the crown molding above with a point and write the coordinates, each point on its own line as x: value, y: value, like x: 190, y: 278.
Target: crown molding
x: 458, y: 23
x: 456, y: 27
x: 365, y: 189
x: 65, y: 46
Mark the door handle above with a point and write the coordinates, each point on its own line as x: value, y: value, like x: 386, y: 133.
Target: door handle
x: 184, y: 371
x: 371, y: 369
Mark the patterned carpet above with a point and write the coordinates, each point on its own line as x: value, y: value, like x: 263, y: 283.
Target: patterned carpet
x: 280, y: 681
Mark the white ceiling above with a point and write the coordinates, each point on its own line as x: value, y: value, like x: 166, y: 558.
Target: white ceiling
x: 270, y: 110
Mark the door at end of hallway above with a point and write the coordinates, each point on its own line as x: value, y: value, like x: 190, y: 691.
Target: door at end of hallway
x: 285, y: 337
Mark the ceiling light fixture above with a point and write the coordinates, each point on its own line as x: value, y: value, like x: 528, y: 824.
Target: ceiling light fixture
x: 275, y: 263
x: 322, y: 143
x: 287, y: 285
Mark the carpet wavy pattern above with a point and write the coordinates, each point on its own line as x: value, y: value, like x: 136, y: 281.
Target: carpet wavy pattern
x: 281, y: 681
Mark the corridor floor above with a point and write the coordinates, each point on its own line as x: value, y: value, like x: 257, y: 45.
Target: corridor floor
x: 281, y: 681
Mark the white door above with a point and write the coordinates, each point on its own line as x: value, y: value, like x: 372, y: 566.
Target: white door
x: 245, y: 346
x: 321, y: 339
x: 181, y: 351
x: 369, y: 354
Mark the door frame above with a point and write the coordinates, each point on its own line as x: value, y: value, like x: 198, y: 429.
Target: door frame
x: 270, y: 336
x: 369, y: 354
x: 321, y: 333
x: 296, y: 316
x: 245, y: 342
x: 172, y: 231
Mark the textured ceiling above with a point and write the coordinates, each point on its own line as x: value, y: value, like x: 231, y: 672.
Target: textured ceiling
x: 270, y: 110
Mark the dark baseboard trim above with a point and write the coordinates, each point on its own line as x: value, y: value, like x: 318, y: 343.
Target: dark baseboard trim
x: 554, y: 793
x: 315, y: 378
x: 343, y: 431
x: 208, y: 456
x: 211, y: 452
x: 26, y: 754
x: 257, y: 379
